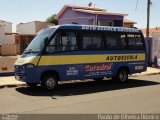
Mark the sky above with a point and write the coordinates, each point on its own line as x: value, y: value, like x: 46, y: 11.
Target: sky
x: 21, y: 11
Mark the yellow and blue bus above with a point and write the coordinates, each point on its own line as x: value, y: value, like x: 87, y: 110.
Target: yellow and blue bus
x: 78, y: 52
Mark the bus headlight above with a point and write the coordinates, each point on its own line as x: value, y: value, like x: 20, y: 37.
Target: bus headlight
x: 28, y: 66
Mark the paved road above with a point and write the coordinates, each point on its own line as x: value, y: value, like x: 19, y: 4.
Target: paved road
x: 139, y: 95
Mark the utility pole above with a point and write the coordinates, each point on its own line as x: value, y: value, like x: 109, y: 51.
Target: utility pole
x: 148, y: 17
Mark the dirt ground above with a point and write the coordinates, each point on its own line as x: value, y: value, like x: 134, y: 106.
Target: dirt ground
x: 7, y: 63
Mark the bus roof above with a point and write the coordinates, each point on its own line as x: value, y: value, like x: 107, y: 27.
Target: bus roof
x: 97, y: 28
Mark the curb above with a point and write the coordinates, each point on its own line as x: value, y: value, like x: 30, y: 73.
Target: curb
x: 7, y: 74
x: 24, y: 84
x: 144, y: 74
x: 12, y: 85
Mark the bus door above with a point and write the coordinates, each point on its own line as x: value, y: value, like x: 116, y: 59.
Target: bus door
x: 60, y: 55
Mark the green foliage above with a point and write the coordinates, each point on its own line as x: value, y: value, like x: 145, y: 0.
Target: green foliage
x: 52, y: 19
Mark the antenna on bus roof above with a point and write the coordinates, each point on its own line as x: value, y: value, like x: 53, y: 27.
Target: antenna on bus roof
x: 73, y: 23
x: 135, y: 27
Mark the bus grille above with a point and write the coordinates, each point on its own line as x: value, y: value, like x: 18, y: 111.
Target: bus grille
x: 19, y: 75
x: 19, y: 72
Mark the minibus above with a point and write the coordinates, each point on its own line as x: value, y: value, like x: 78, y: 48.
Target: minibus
x: 79, y: 52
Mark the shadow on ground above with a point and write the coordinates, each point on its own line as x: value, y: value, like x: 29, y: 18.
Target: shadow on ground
x: 80, y: 88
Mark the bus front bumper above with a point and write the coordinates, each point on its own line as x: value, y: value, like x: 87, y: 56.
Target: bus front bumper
x: 27, y: 75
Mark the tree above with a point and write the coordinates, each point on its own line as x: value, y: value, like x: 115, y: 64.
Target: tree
x: 52, y: 19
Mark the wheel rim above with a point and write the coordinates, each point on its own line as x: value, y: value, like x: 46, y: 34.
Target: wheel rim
x: 50, y: 83
x: 123, y: 76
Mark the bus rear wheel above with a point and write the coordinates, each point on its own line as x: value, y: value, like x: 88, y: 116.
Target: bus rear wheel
x: 122, y: 75
x: 49, y: 82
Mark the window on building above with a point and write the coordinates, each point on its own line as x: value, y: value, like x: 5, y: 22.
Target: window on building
x: 110, y: 23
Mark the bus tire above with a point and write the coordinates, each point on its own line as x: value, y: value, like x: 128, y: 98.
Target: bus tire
x: 122, y: 75
x: 33, y: 85
x: 49, y: 82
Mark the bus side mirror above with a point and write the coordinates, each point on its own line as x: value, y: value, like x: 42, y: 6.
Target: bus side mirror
x: 46, y: 41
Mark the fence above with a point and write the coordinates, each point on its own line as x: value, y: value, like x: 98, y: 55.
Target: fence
x: 8, y: 49
x: 154, y: 49
x: 22, y: 41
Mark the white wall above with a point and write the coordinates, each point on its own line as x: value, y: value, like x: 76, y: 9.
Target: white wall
x: 31, y: 27
x: 10, y: 39
x: 2, y: 35
x: 26, y: 28
x: 155, y: 47
x: 6, y: 39
x: 7, y: 26
x: 1, y: 30
x: 41, y: 25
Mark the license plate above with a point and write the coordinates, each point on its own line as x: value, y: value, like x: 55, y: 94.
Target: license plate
x: 17, y: 77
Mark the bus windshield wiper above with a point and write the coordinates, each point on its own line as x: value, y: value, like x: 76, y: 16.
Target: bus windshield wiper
x: 30, y: 51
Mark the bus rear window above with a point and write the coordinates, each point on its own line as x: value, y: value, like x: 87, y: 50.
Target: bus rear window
x: 135, y: 42
x: 120, y: 41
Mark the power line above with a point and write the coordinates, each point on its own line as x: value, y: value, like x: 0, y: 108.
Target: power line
x: 148, y: 17
x: 136, y: 5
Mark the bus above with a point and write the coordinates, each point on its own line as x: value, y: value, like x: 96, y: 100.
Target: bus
x: 79, y: 52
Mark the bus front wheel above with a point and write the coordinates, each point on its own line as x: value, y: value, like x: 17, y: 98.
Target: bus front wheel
x: 122, y: 75
x: 49, y: 82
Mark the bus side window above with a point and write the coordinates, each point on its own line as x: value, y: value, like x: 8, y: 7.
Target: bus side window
x: 91, y: 41
x: 123, y: 41
x: 115, y: 41
x: 54, y: 44
x: 87, y: 42
x: 70, y: 42
x: 135, y: 42
x: 139, y: 42
x: 63, y: 41
x: 110, y: 42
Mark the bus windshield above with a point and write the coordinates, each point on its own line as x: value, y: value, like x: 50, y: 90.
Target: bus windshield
x: 38, y: 42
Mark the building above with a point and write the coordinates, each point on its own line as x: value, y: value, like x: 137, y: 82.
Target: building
x: 26, y: 32
x: 5, y: 28
x: 22, y: 41
x: 31, y: 28
x: 129, y: 23
x: 152, y: 31
x: 7, y: 39
x: 153, y: 46
x: 89, y: 16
